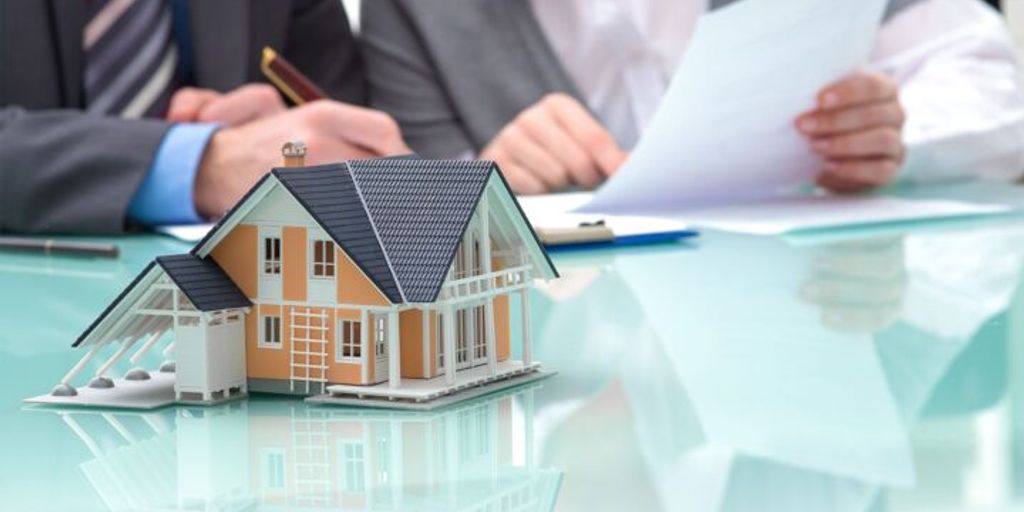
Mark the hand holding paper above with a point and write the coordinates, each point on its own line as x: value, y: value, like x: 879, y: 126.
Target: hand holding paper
x: 856, y: 128
x: 725, y: 129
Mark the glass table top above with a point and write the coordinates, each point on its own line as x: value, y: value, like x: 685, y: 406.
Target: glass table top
x: 860, y: 370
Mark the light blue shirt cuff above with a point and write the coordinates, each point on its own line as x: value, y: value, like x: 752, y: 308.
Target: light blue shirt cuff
x: 165, y: 196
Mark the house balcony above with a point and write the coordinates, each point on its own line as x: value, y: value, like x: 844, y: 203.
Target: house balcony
x: 475, y: 287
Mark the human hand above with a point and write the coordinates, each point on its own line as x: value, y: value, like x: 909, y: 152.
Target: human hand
x: 236, y: 157
x: 553, y: 145
x: 857, y: 128
x: 858, y: 286
x: 246, y: 103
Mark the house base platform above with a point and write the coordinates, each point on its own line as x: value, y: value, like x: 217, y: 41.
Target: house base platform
x: 427, y: 394
x: 153, y: 393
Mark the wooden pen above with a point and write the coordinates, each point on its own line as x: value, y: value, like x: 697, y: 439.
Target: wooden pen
x: 290, y: 81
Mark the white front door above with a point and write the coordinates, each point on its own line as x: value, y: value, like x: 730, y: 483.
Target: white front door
x: 379, y: 338
x: 470, y: 337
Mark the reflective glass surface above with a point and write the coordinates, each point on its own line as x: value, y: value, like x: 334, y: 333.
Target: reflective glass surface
x: 852, y: 370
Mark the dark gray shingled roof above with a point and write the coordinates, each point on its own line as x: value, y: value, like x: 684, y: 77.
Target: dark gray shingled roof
x: 400, y: 219
x: 420, y: 209
x: 329, y: 195
x: 203, y: 282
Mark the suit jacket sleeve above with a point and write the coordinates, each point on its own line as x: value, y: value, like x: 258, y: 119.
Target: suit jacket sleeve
x: 320, y: 43
x: 405, y: 83
x: 62, y: 171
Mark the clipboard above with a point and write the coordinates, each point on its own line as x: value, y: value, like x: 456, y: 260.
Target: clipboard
x: 558, y: 227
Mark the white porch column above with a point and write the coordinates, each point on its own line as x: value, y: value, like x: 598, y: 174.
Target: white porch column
x: 125, y: 347
x: 146, y: 346
x: 449, y: 345
x: 524, y: 301
x: 80, y: 365
x: 394, y: 352
x: 367, y: 350
x: 485, y: 255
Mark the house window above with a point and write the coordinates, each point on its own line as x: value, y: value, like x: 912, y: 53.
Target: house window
x: 323, y: 258
x: 271, y: 255
x: 271, y: 336
x: 273, y: 470
x: 380, y: 336
x: 353, y: 467
x: 348, y: 344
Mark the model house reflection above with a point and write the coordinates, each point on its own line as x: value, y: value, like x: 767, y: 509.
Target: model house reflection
x: 282, y: 454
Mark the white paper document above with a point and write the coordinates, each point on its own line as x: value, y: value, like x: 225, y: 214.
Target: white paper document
x: 186, y: 232
x: 724, y: 131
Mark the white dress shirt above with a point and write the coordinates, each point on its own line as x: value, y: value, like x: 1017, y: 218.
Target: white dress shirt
x: 954, y: 60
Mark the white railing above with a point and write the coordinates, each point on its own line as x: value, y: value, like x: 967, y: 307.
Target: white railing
x: 491, y: 283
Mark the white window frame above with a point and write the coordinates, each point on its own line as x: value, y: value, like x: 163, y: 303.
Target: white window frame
x: 353, y: 467
x: 333, y: 265
x: 356, y: 342
x: 264, y: 238
x: 265, y: 458
x: 262, y: 342
x: 380, y: 336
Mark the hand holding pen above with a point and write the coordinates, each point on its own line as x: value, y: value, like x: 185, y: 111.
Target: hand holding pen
x: 254, y: 122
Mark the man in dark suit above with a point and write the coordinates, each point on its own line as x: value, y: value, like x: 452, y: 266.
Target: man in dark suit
x: 121, y: 112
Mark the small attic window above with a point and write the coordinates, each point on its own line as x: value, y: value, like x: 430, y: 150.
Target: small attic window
x: 271, y: 255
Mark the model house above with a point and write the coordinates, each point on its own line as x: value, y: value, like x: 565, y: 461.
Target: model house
x: 387, y: 282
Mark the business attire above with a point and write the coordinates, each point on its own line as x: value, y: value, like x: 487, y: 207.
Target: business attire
x: 453, y: 73
x: 84, y: 83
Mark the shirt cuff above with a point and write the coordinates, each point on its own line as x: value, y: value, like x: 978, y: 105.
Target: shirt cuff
x: 165, y: 196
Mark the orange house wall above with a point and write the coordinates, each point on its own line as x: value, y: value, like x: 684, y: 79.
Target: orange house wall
x: 267, y: 363
x: 236, y: 254
x: 293, y: 265
x: 353, y: 286
x: 410, y: 327
x: 342, y: 373
x: 502, y: 342
x: 502, y: 319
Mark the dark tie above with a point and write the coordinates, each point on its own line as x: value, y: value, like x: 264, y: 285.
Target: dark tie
x: 131, y: 58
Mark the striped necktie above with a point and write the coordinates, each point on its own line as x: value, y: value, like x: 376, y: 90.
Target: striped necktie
x: 131, y: 58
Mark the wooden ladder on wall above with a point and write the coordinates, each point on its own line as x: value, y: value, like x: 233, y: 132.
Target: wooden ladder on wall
x: 308, y: 349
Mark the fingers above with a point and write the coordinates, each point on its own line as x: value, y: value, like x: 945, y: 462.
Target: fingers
x: 859, y: 88
x: 857, y: 175
x: 522, y: 161
x: 528, y: 153
x: 187, y: 102
x: 570, y: 159
x: 857, y: 118
x: 246, y: 103
x: 370, y: 129
x: 874, y: 142
x: 553, y: 145
x: 588, y: 133
x: 522, y: 181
